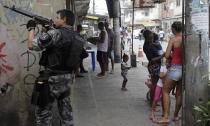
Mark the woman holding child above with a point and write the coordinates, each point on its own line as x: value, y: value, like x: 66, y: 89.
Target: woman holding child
x: 174, y: 75
x: 153, y: 51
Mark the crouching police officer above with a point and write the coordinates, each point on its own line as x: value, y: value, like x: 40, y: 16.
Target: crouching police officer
x: 57, y: 55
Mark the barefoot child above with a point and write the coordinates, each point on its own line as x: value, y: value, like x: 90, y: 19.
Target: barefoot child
x: 158, y: 89
x: 124, y: 72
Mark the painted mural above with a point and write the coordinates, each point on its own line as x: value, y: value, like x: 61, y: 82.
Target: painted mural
x: 18, y: 65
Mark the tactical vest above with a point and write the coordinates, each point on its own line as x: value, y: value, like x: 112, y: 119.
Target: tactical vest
x: 66, y: 55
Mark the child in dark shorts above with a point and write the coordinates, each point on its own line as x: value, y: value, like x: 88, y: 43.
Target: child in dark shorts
x: 124, y: 72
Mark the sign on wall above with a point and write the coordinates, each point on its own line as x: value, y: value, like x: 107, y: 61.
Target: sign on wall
x: 200, y: 16
x: 144, y: 3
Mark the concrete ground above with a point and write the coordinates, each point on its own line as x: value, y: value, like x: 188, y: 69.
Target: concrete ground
x: 100, y: 102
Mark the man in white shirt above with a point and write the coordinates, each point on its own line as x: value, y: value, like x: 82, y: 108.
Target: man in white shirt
x: 102, y: 48
x: 161, y: 35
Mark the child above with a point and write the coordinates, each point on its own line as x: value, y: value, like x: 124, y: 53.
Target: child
x: 158, y: 89
x: 168, y: 64
x: 124, y: 72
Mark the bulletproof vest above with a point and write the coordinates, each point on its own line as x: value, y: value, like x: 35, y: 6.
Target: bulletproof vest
x: 66, y: 55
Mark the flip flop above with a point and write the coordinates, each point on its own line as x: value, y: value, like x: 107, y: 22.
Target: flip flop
x: 163, y: 122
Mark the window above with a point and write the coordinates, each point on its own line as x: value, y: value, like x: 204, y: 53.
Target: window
x: 178, y: 2
x: 165, y: 8
x: 146, y: 13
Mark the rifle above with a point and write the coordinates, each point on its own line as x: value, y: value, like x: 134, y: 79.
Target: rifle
x: 39, y: 19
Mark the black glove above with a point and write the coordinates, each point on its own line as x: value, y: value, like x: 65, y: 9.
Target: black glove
x: 31, y: 24
x: 45, y: 27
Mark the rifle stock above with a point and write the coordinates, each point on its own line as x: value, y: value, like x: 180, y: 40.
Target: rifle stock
x: 39, y: 19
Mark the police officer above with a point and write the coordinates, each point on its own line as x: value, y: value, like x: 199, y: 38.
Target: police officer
x: 52, y: 41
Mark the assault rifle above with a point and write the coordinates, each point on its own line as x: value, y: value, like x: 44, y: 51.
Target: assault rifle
x: 39, y: 19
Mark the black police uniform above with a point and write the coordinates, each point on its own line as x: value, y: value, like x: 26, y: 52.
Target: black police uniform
x: 59, y: 80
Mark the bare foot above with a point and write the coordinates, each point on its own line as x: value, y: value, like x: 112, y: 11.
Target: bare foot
x: 151, y: 114
x: 177, y: 118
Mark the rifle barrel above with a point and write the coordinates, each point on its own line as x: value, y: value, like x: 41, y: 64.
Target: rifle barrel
x: 23, y: 12
x: 39, y: 19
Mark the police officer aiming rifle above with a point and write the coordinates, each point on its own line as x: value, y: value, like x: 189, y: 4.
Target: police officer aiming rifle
x: 62, y: 48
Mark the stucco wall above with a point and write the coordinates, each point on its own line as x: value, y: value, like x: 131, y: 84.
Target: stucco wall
x: 170, y: 9
x: 18, y: 66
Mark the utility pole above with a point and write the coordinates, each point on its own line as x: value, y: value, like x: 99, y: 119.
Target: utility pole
x: 70, y: 5
x: 116, y: 27
x: 133, y: 56
x: 196, y: 59
x: 94, y: 7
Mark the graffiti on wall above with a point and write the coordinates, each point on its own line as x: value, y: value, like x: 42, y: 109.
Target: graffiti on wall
x: 14, y: 27
x: 10, y: 34
x: 9, y: 61
x: 19, y: 66
x: 4, y: 67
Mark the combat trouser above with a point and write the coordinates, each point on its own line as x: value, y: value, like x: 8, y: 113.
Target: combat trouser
x: 59, y: 91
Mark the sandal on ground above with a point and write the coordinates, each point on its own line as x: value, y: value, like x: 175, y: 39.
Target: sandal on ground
x: 124, y: 89
x: 161, y: 121
x: 100, y: 76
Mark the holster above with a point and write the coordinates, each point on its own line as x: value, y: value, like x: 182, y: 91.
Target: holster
x: 41, y: 92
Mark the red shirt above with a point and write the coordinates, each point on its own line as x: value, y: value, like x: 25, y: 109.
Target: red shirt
x: 177, y: 56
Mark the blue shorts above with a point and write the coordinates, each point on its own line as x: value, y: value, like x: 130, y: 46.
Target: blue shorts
x: 174, y: 72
